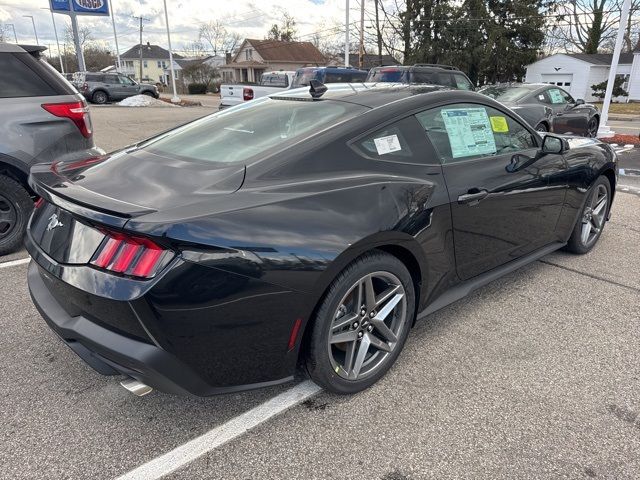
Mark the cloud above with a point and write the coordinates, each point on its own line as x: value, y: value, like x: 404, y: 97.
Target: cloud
x: 246, y: 17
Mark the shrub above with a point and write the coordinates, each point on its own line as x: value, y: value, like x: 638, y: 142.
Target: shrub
x: 197, y: 88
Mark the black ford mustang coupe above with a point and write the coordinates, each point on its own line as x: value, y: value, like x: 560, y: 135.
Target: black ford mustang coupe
x: 301, y: 232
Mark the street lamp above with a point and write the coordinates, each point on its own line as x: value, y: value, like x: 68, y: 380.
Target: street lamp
x: 33, y: 22
x: 14, y: 31
x: 55, y: 31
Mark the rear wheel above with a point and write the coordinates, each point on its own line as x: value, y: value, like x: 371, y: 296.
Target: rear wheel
x: 593, y: 217
x: 100, y: 97
x: 362, y: 324
x: 15, y: 207
x: 541, y: 127
x: 148, y: 93
x: 592, y: 128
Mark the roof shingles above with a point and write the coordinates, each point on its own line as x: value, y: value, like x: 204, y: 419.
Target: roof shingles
x: 279, y: 51
x: 148, y: 52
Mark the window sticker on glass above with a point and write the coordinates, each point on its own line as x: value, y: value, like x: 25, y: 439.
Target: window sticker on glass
x: 499, y: 124
x: 469, y: 131
x: 556, y: 96
x: 387, y: 144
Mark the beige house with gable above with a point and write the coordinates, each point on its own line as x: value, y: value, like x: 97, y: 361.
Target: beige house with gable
x: 254, y: 57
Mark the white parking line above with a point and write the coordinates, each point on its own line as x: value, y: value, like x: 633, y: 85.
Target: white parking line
x: 13, y: 263
x: 188, y: 452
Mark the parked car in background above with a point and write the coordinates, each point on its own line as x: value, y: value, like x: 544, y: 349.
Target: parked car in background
x: 547, y: 108
x: 328, y: 75
x: 270, y: 82
x: 307, y: 229
x: 107, y: 87
x: 433, y: 74
x: 44, y: 119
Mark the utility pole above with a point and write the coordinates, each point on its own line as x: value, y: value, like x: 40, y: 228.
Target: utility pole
x: 378, y: 34
x: 34, y: 27
x: 346, y: 37
x: 141, y: 18
x: 361, y: 53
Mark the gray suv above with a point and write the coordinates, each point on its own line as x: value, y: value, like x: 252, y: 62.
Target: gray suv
x: 42, y: 118
x: 105, y: 87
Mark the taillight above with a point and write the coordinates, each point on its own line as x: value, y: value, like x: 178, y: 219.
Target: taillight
x: 134, y: 256
x: 247, y: 94
x: 77, y: 112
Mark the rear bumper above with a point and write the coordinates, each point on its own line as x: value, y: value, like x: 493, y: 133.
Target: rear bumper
x: 110, y: 353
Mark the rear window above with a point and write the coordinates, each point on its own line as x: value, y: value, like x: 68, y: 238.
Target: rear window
x: 274, y: 80
x: 18, y: 79
x: 251, y: 130
x: 344, y: 77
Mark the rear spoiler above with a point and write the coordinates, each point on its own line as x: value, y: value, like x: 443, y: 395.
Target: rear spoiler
x: 80, y: 201
x: 33, y: 50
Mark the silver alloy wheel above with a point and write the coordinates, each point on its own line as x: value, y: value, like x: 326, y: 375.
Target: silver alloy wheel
x: 594, y: 214
x: 541, y: 127
x: 367, y: 324
x: 592, y: 128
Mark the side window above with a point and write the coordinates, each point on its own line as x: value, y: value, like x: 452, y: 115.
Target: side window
x: 462, y: 82
x: 567, y: 98
x: 18, y: 80
x: 465, y: 131
x: 556, y: 96
x: 402, y: 142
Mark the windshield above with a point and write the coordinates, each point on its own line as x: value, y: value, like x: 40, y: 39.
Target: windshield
x: 506, y: 93
x: 252, y: 129
x: 386, y: 75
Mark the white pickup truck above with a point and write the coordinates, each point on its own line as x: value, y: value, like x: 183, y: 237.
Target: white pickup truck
x: 271, y: 82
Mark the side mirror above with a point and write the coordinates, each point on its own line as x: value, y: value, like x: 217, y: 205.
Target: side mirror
x: 580, y: 101
x: 552, y: 144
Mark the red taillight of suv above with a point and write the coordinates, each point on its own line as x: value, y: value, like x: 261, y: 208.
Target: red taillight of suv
x: 134, y: 256
x: 77, y: 112
x: 247, y: 94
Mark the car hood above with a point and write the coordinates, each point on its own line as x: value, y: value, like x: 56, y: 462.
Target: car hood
x: 136, y: 182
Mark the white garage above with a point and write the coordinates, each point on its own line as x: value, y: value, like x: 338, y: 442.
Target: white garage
x: 576, y: 72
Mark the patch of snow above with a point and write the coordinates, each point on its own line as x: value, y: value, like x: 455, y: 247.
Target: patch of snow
x: 144, y: 101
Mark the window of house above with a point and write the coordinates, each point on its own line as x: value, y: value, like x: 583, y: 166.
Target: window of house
x: 465, y: 131
x: 144, y: 64
x: 248, y: 53
x: 159, y: 64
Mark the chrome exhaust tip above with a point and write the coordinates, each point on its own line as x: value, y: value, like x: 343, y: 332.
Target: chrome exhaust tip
x: 136, y: 387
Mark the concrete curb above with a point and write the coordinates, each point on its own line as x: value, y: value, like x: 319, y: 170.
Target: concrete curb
x: 624, y: 118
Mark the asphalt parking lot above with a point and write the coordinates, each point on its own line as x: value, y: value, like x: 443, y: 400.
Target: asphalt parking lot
x: 534, y: 376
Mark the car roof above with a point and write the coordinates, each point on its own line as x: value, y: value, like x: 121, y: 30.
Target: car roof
x: 336, y: 69
x: 369, y: 95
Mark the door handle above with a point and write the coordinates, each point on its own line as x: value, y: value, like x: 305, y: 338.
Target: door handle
x: 473, y: 197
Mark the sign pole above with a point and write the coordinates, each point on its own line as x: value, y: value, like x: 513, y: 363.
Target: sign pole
x: 346, y: 36
x: 76, y: 42
x: 175, y: 98
x: 115, y: 36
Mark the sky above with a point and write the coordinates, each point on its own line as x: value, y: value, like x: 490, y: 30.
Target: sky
x: 250, y: 19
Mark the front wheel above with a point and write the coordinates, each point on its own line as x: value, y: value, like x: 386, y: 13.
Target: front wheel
x: 592, y: 128
x: 100, y: 97
x: 362, y: 324
x: 541, y: 127
x: 592, y: 218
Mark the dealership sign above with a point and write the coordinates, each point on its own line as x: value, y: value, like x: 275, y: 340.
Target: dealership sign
x: 80, y: 7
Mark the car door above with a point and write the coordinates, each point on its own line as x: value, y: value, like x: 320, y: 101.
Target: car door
x: 505, y: 197
x: 567, y: 118
x: 128, y: 87
x: 112, y: 86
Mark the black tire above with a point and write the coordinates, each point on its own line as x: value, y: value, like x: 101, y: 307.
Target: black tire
x: 319, y: 356
x: 15, y: 207
x: 577, y: 243
x: 541, y: 127
x: 149, y: 93
x: 592, y: 128
x: 100, y: 97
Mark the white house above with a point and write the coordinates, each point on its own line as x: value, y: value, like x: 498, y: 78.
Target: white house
x: 576, y: 72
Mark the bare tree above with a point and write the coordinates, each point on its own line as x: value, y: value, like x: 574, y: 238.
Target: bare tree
x: 194, y: 49
x: 286, y: 31
x: 220, y: 40
x: 84, y: 33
